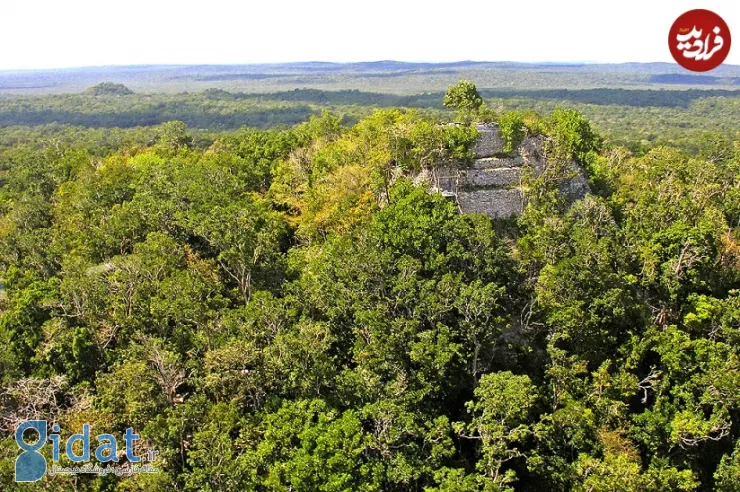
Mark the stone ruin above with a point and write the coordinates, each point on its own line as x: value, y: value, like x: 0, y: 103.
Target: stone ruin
x: 491, y: 184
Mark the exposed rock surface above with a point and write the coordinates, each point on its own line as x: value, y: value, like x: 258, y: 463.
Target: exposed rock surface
x: 491, y: 184
x: 490, y: 141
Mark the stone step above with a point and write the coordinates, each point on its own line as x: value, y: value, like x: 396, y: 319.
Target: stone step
x: 498, y: 177
x: 497, y: 162
x: 494, y: 203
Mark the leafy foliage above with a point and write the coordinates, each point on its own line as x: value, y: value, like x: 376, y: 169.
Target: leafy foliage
x: 511, y: 125
x: 463, y: 96
x: 285, y: 309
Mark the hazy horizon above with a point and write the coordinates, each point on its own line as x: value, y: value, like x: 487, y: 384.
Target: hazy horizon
x: 564, y: 63
x: 83, y: 33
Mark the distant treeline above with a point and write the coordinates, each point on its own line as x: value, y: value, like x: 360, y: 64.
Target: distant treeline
x: 638, y: 119
x: 622, y: 97
x: 681, y: 78
x: 143, y: 110
x: 343, y: 97
x: 219, y: 109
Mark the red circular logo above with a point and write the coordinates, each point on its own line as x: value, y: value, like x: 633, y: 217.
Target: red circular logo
x: 699, y: 40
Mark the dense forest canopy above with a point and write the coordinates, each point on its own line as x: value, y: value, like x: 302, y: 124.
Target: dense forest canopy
x: 285, y: 309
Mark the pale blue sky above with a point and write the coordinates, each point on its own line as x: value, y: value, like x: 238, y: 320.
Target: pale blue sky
x: 69, y: 33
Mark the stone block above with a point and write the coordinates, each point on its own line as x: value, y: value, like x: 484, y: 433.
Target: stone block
x: 501, y: 177
x: 494, y: 203
x: 490, y: 142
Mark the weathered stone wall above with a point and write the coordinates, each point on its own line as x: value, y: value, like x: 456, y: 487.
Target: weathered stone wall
x: 491, y: 184
x: 490, y: 141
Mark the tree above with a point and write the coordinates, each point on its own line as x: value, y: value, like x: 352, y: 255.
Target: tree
x: 573, y: 135
x: 500, y: 411
x: 512, y: 129
x: 174, y: 136
x: 464, y: 97
x: 246, y: 238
